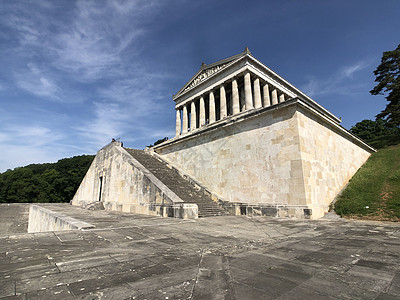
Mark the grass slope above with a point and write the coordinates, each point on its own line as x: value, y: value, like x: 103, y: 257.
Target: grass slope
x: 374, y: 191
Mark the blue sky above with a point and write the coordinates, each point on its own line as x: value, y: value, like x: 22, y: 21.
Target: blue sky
x: 77, y: 73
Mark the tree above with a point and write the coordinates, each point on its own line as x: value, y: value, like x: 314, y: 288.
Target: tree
x: 388, y: 76
x: 55, y: 182
x: 369, y: 130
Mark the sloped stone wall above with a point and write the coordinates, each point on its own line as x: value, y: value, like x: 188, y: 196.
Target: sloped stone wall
x: 122, y: 184
x: 330, y: 157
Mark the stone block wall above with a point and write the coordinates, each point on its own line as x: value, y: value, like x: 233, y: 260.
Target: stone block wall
x: 254, y: 160
x: 330, y: 157
x: 282, y: 159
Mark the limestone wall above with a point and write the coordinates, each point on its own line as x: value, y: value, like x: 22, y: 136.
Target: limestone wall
x: 254, y: 160
x: 122, y: 184
x: 330, y: 157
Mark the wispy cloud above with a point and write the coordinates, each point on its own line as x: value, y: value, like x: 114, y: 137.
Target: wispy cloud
x: 348, y: 71
x: 337, y: 82
x: 32, y: 136
x: 85, y: 60
x: 89, y: 43
x: 34, y: 81
x: 92, y: 47
x: 21, y: 145
x: 109, y: 121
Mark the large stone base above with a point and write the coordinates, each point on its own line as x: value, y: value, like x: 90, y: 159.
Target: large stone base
x: 276, y: 210
x: 180, y: 210
x: 286, y: 160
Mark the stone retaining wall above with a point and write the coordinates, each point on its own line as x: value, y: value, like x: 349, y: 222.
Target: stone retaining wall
x: 42, y: 219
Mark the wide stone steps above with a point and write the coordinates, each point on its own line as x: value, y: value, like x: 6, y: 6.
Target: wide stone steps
x: 176, y: 183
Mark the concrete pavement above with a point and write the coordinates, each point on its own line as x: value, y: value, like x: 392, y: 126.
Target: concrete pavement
x: 141, y: 257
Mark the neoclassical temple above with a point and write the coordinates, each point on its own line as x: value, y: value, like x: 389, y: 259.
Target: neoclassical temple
x: 239, y: 87
x: 246, y: 141
x: 259, y: 143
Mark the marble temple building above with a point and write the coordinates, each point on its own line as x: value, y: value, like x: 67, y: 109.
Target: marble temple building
x: 246, y: 142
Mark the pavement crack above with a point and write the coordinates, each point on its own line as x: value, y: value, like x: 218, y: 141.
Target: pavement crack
x: 229, y: 278
x: 58, y: 269
x: 197, y: 275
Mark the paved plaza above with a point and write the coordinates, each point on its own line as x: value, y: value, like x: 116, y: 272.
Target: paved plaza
x: 231, y: 257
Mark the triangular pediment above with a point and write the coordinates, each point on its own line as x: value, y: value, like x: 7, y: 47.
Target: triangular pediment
x: 207, y: 71
x: 204, y: 74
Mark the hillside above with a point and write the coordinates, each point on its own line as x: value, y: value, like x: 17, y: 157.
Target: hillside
x: 51, y: 182
x: 374, y: 191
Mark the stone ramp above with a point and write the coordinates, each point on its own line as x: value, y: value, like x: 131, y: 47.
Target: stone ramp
x: 181, y: 187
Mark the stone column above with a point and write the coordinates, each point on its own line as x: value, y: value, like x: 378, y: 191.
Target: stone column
x: 184, y: 120
x: 257, y: 93
x: 281, y: 98
x: 235, y: 98
x: 247, y: 91
x: 192, y: 116
x: 178, y: 123
x: 241, y: 100
x: 266, y: 98
x: 222, y: 97
x: 212, y: 108
x: 274, y: 97
x: 202, y: 119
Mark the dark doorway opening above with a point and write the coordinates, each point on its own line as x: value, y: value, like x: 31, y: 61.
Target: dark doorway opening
x: 101, y: 187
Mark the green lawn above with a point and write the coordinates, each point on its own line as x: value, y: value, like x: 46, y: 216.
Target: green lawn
x: 374, y: 191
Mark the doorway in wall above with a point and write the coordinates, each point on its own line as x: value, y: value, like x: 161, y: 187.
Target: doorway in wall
x: 101, y: 187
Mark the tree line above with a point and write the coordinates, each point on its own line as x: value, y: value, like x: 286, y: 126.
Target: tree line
x: 45, y: 183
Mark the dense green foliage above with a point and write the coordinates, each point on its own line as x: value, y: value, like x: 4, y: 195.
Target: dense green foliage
x: 158, y: 142
x: 52, y: 182
x: 377, y: 133
x: 374, y: 191
x: 388, y: 76
x: 385, y: 141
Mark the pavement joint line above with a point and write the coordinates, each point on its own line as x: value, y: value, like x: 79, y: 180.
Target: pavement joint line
x: 138, y: 226
x: 57, y: 236
x: 113, y: 258
x: 197, y: 275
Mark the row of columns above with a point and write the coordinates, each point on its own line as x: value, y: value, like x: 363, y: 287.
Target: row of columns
x: 265, y: 99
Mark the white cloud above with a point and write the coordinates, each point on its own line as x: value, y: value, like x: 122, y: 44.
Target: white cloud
x: 92, y: 46
x: 348, y: 71
x: 22, y: 145
x: 36, y: 82
x: 337, y: 83
x: 31, y: 136
x: 109, y: 121
x: 88, y: 55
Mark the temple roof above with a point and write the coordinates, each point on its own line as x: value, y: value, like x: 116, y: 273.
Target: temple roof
x: 208, y: 70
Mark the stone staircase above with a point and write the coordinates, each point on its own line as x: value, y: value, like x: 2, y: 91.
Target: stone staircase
x: 176, y: 183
